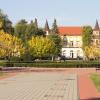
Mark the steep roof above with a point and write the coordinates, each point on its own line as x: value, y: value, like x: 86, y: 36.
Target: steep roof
x: 47, y: 26
x: 73, y: 30
x: 96, y: 25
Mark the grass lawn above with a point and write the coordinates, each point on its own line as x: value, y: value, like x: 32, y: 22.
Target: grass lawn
x: 2, y: 74
x: 96, y: 80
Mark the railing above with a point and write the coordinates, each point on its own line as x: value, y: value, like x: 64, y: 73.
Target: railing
x: 69, y: 46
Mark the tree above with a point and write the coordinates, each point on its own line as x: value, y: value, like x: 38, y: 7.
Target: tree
x: 20, y: 29
x: 55, y: 27
x: 30, y: 30
x: 10, y: 45
x: 41, y: 46
x: 36, y: 23
x: 89, y: 52
x: 86, y: 36
x: 39, y: 32
x: 57, y: 41
x: 6, y: 23
x: 26, y: 31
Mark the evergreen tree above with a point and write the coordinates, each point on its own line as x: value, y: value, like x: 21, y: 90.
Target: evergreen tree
x: 36, y: 23
x: 55, y: 27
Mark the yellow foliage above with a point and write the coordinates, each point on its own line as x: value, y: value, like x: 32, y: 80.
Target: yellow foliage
x: 41, y: 46
x: 10, y: 45
x: 92, y: 52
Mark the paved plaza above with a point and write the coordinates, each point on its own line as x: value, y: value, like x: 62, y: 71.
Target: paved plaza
x: 40, y: 86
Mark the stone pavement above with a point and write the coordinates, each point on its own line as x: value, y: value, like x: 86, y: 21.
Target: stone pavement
x: 39, y: 86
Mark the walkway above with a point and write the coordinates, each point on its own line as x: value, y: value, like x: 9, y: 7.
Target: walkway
x: 39, y: 86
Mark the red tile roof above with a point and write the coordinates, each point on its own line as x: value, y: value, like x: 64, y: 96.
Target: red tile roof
x: 70, y: 31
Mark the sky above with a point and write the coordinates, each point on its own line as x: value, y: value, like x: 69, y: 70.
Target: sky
x: 67, y: 12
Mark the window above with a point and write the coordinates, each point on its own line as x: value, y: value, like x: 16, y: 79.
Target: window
x: 71, y: 43
x: 77, y: 43
x: 64, y: 40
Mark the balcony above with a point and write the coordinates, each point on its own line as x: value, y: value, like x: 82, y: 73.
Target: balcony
x: 71, y: 46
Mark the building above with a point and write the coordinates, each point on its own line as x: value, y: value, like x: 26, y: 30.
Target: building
x: 96, y: 35
x: 71, y: 42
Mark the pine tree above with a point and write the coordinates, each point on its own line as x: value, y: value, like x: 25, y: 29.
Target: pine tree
x: 36, y: 23
x: 55, y: 27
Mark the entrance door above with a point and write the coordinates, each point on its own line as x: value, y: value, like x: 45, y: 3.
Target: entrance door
x: 71, y: 54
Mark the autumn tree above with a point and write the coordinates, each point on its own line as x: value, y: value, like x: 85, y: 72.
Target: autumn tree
x: 86, y: 35
x: 41, y: 46
x: 10, y: 45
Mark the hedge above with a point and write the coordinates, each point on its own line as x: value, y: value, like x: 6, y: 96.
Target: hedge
x: 49, y: 64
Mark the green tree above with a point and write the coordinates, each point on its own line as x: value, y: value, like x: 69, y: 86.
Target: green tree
x: 6, y: 23
x: 20, y: 29
x: 39, y: 32
x: 36, y: 23
x: 57, y: 41
x: 41, y: 46
x: 30, y: 30
x: 86, y: 35
x: 55, y: 27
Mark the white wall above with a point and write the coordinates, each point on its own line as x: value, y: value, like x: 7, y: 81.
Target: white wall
x: 76, y: 52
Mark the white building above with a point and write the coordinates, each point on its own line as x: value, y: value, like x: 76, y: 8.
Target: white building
x: 71, y: 42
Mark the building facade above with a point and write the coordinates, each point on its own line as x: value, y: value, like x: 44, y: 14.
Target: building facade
x: 96, y: 36
x: 71, y: 42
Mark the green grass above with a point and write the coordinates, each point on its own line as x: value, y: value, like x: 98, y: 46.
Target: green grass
x: 96, y: 80
x: 2, y: 74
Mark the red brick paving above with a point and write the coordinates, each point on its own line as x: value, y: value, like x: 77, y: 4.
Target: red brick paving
x: 86, y: 87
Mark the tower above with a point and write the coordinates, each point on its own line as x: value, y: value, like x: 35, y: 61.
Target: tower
x: 96, y: 34
x: 47, y: 30
x: 96, y: 30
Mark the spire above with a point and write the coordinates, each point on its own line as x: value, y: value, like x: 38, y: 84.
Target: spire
x: 36, y: 24
x: 47, y: 26
x: 96, y: 25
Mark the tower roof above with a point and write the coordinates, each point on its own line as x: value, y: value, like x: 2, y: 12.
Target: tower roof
x: 96, y: 25
x: 47, y: 26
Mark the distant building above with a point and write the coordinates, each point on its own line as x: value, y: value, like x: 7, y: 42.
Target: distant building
x: 96, y: 35
x: 71, y: 42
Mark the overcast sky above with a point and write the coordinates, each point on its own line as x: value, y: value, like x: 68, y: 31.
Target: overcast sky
x: 67, y: 12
